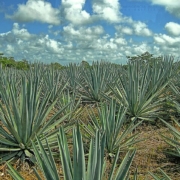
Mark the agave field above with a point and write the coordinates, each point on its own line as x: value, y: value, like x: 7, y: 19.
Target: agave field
x: 89, y: 122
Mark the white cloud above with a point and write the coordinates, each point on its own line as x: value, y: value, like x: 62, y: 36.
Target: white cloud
x: 137, y: 27
x: 172, y: 6
x: 36, y: 10
x: 141, y: 29
x: 120, y: 41
x: 53, y: 46
x: 73, y: 11
x: 16, y: 34
x: 83, y: 33
x: 10, y: 49
x: 79, y: 43
x: 173, y: 28
x: 20, y: 33
x: 124, y: 30
x: 168, y: 41
x: 139, y: 49
x: 22, y: 45
x: 127, y: 30
x: 107, y: 10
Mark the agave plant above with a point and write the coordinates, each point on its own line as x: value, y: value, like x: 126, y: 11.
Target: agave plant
x: 74, y: 109
x: 95, y: 80
x: 94, y: 169
x: 111, y: 119
x: 140, y: 89
x: 54, y: 81
x: 174, y: 97
x: 73, y: 75
x: 25, y: 116
x: 174, y: 140
x: 36, y: 71
x: 10, y: 76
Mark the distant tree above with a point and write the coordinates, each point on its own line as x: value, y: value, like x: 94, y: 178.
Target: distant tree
x: 7, y: 62
x: 23, y: 65
x: 145, y: 58
x: 85, y: 64
x: 57, y: 66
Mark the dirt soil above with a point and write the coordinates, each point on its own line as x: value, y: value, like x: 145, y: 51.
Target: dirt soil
x: 150, y: 156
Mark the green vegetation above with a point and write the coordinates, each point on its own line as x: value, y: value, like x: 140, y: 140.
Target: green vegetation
x: 77, y: 170
x: 23, y: 64
x: 42, y: 122
x: 111, y: 120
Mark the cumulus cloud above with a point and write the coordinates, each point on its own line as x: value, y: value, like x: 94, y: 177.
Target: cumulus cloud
x: 120, y: 41
x: 83, y: 33
x: 73, y: 11
x: 10, y: 49
x: 20, y: 43
x: 172, y: 6
x: 53, y: 46
x: 173, y: 28
x: 88, y: 43
x: 36, y: 10
x: 107, y: 10
x: 82, y: 38
x: 16, y: 34
x: 20, y: 33
x: 127, y: 30
x: 79, y: 43
x: 139, y: 49
x: 168, y: 41
x: 141, y: 29
x: 135, y: 27
x: 124, y: 29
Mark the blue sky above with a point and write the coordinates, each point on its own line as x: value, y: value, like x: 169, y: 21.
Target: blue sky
x: 74, y: 30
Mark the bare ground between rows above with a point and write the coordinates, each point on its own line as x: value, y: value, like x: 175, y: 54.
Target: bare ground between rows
x: 150, y: 156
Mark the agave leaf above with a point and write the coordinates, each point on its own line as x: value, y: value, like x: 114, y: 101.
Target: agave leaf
x: 79, y: 166
x: 165, y: 176
x: 135, y: 175
x: 46, y: 162
x: 172, y: 141
x: 14, y: 174
x: 37, y: 175
x: 8, y: 156
x: 172, y: 128
x: 96, y: 164
x: 155, y: 177
x: 123, y: 169
x: 65, y: 155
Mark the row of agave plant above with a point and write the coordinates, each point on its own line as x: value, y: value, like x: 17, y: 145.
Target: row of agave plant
x: 40, y: 115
